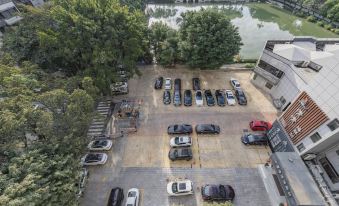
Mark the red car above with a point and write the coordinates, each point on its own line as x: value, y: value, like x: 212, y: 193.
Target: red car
x: 257, y: 125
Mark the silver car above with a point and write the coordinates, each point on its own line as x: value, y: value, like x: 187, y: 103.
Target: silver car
x: 133, y: 197
x: 168, y: 84
x: 181, y: 141
x: 94, y: 159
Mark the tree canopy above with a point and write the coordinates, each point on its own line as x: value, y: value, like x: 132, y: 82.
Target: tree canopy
x: 90, y: 36
x: 208, y: 39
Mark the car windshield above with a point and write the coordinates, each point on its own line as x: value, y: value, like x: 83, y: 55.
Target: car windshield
x: 222, y: 191
x: 177, y: 140
x: 132, y: 194
x: 100, y: 143
x: 230, y: 96
x: 91, y: 157
x: 199, y: 96
x: 236, y: 83
x: 207, y: 191
x: 241, y: 93
x: 175, y: 187
x: 252, y: 138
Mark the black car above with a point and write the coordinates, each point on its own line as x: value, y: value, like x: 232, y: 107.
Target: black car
x: 220, y: 98
x: 241, y: 97
x: 196, y: 84
x: 217, y: 193
x: 180, y: 154
x: 209, y: 98
x: 177, y: 98
x: 116, y: 197
x: 167, y: 97
x: 254, y: 139
x: 188, y: 98
x: 207, y: 129
x: 177, y: 84
x: 158, y: 83
x: 180, y: 129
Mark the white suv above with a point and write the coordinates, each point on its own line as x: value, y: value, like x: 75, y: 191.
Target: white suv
x: 180, y: 187
x: 181, y: 141
x: 168, y: 83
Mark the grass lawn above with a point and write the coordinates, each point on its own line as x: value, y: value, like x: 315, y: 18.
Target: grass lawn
x: 285, y: 20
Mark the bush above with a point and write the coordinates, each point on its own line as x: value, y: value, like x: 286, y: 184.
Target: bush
x: 320, y: 23
x: 249, y: 65
x: 311, y: 19
x: 336, y: 31
x: 328, y: 27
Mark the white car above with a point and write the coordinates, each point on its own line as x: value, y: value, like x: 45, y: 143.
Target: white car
x: 235, y: 83
x: 230, y: 97
x: 199, y: 99
x: 97, y: 145
x: 181, y: 141
x: 180, y: 187
x: 168, y: 83
x: 94, y: 159
x: 133, y: 197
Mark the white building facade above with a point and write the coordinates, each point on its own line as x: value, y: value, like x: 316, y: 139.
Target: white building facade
x: 302, y: 77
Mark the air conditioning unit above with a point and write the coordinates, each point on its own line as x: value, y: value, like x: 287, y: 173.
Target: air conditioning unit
x: 309, y: 156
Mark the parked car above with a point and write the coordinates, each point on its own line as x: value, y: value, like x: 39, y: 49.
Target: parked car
x: 180, y: 129
x: 177, y: 98
x: 167, y: 97
x: 181, y: 141
x: 209, y: 98
x: 196, y: 84
x: 158, y: 83
x: 219, y: 95
x: 180, y: 154
x: 199, y: 100
x: 177, y: 84
x: 254, y: 139
x: 133, y: 197
x: 258, y: 125
x: 188, y: 98
x: 94, y: 159
x: 235, y: 83
x: 83, y: 176
x: 102, y: 144
x: 217, y: 193
x: 230, y: 97
x: 207, y: 129
x: 116, y: 197
x: 241, y: 97
x: 168, y: 83
x: 180, y: 188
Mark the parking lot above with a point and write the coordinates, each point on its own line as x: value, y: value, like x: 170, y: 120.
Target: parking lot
x: 141, y: 159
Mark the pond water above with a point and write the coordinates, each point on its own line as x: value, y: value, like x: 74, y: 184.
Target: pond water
x: 257, y: 23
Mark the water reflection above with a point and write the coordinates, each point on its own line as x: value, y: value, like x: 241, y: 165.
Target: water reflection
x: 257, y: 23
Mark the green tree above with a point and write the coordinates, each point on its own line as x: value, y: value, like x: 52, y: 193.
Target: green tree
x: 208, y: 39
x: 66, y: 36
x: 164, y: 43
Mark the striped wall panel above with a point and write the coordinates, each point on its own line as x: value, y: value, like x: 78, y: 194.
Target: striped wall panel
x: 302, y: 118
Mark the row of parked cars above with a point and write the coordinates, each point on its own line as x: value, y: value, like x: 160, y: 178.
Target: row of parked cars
x: 222, y: 97
x: 180, y: 145
x: 97, y: 158
x: 209, y: 192
x: 257, y: 138
x: 116, y: 197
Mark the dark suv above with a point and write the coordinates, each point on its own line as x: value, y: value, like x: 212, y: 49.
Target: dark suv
x: 254, y: 139
x: 209, y: 98
x: 196, y: 84
x: 116, y: 197
x: 180, y: 154
x: 207, y: 129
x: 188, y: 98
x: 217, y: 193
x: 158, y: 83
x: 177, y: 98
x: 239, y: 93
x: 177, y: 84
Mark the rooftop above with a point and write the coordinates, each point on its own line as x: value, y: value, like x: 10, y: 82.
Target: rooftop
x: 301, y: 184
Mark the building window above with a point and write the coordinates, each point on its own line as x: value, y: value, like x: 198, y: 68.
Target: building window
x: 301, y: 147
x: 271, y: 69
x: 315, y: 137
x: 333, y: 125
x: 282, y: 100
x: 268, y: 85
x: 329, y: 169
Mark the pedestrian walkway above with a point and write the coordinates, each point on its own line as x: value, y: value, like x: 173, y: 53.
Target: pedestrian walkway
x: 98, y: 125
